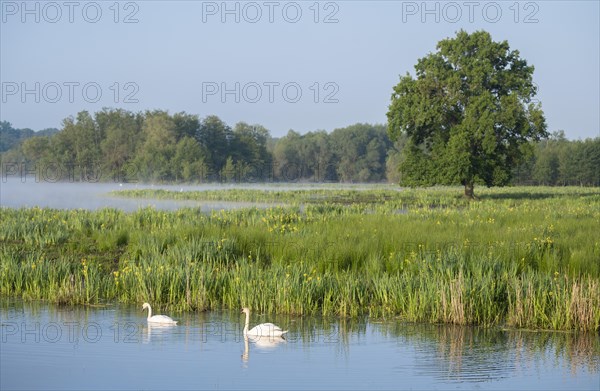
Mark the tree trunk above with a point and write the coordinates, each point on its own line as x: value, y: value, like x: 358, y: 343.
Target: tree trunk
x: 469, y: 190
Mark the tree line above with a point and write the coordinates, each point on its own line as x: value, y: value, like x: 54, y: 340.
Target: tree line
x: 155, y: 146
x: 557, y: 161
x: 11, y: 137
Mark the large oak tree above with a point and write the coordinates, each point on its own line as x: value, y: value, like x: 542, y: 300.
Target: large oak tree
x: 468, y: 115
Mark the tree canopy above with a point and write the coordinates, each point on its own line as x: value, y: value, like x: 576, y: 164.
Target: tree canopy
x: 467, y: 115
x: 115, y: 144
x: 155, y: 146
x: 11, y: 137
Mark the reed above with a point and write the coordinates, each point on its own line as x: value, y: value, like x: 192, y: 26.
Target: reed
x: 520, y: 257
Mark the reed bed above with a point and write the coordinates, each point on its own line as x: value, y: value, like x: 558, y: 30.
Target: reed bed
x: 517, y: 257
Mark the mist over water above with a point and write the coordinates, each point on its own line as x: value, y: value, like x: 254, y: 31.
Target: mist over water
x: 29, y: 192
x: 17, y: 193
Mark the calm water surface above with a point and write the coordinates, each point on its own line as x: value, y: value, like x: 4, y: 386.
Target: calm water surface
x: 15, y: 193
x: 50, y: 347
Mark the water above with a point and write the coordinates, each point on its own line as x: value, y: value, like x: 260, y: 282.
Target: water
x: 29, y: 193
x: 50, y: 347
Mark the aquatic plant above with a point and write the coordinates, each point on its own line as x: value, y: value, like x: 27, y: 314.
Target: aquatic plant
x: 518, y: 257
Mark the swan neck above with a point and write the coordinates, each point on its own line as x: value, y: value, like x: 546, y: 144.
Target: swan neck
x: 149, y: 312
x: 247, y: 325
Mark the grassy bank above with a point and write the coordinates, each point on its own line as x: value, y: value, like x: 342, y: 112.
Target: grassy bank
x: 519, y: 257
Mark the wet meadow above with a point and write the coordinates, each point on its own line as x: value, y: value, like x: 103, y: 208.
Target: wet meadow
x: 520, y: 257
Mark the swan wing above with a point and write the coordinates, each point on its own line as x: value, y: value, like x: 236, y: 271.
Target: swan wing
x: 271, y: 326
x: 162, y: 319
x: 266, y: 329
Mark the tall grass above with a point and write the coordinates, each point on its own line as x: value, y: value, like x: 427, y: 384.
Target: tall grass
x: 513, y: 258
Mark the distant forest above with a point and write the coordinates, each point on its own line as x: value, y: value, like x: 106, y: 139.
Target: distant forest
x: 155, y: 146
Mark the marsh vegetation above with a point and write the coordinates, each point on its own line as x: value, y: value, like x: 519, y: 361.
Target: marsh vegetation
x: 517, y: 257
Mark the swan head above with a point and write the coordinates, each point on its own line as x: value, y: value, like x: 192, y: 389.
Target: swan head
x: 246, y: 310
x: 145, y: 305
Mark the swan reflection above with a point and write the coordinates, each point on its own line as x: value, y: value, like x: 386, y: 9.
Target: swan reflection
x: 266, y: 342
x: 262, y: 343
x: 156, y: 330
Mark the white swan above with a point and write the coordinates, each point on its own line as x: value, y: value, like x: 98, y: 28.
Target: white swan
x: 263, y: 329
x: 157, y: 318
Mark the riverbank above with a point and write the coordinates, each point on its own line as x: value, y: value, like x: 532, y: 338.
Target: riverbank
x: 517, y: 257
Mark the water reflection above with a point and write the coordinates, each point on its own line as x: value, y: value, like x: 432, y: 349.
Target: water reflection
x: 156, y: 330
x: 261, y: 343
x: 265, y: 342
x: 460, y: 354
x: 246, y: 354
x: 470, y: 354
x: 203, y: 351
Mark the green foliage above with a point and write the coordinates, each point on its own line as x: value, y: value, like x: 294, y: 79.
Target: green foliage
x: 466, y: 114
x: 155, y: 146
x: 361, y: 150
x: 122, y: 132
x: 11, y: 137
x: 214, y: 135
x: 158, y: 147
x: 558, y: 161
x: 117, y: 145
x: 520, y: 257
x: 356, y: 153
x: 189, y: 161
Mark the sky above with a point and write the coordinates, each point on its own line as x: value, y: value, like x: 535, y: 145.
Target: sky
x: 301, y: 65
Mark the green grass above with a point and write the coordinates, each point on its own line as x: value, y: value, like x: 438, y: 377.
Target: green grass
x: 517, y: 257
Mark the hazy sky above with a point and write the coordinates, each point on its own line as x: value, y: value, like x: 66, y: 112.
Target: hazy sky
x: 301, y: 65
